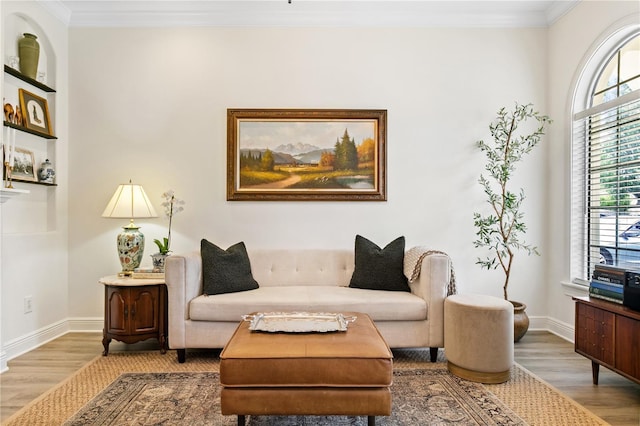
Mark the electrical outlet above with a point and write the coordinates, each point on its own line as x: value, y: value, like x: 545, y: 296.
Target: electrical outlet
x: 28, y: 304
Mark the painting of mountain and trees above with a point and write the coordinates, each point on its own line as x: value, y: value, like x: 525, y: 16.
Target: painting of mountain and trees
x: 306, y: 154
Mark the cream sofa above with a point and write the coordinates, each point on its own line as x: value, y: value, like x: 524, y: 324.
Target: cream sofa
x: 306, y: 281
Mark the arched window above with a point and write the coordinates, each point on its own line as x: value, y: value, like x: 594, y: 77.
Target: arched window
x: 606, y: 165
x: 621, y: 75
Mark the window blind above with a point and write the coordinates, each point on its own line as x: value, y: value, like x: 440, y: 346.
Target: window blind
x: 606, y: 186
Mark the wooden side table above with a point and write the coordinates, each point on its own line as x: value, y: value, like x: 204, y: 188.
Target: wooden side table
x: 134, y: 310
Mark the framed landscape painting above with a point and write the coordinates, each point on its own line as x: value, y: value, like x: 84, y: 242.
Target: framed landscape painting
x: 306, y: 155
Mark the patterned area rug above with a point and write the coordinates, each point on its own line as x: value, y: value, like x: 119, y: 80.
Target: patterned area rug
x: 534, y: 401
x: 420, y: 397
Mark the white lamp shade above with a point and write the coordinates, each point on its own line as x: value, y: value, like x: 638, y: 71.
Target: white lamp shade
x: 130, y: 202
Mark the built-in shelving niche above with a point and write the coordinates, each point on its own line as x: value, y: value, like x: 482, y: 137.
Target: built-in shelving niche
x: 34, y: 206
x: 48, y: 90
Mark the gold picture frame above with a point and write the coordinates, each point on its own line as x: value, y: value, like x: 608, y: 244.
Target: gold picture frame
x: 35, y: 112
x: 306, y: 155
x: 24, y: 167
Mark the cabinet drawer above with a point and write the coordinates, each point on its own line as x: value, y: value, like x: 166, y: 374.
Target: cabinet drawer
x: 595, y: 333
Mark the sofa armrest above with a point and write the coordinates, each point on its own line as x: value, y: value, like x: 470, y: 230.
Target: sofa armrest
x: 183, y: 275
x: 432, y: 285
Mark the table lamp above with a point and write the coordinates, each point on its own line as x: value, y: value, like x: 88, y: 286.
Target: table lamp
x: 130, y: 201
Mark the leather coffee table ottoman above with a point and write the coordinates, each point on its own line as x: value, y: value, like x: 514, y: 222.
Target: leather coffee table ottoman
x: 336, y: 373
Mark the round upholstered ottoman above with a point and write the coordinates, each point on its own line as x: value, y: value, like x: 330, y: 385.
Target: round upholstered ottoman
x: 478, y: 337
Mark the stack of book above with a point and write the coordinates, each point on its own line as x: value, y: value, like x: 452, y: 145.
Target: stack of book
x: 607, y: 282
x: 142, y: 273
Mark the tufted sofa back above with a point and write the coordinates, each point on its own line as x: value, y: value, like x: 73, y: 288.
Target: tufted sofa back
x: 301, y: 267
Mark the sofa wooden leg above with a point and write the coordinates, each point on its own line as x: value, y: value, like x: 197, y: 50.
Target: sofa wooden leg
x: 371, y: 421
x: 182, y: 355
x: 434, y: 354
x: 241, y: 420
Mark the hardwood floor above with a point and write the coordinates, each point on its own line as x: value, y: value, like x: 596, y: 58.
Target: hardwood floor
x: 32, y: 374
x: 615, y: 399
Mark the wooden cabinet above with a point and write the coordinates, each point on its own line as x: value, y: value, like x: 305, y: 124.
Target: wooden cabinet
x: 134, y: 310
x: 608, y: 334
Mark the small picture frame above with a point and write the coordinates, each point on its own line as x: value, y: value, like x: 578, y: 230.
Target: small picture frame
x: 35, y: 112
x: 24, y: 168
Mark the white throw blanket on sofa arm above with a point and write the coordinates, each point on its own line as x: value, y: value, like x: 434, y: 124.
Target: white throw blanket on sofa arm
x: 413, y: 263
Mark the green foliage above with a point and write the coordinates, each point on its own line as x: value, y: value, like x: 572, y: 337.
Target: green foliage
x: 623, y: 148
x: 267, y: 161
x: 249, y: 177
x: 251, y: 161
x: 163, y: 246
x: 620, y: 202
x: 502, y: 229
x: 346, y: 153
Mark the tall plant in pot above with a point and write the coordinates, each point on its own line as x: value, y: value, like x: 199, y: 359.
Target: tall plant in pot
x: 501, y: 230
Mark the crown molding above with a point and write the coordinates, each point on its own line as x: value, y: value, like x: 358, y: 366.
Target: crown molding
x: 558, y: 9
x: 58, y: 9
x: 309, y: 13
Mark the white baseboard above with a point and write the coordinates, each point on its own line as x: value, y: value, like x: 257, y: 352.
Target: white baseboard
x: 29, y: 342
x: 3, y: 362
x: 86, y: 324
x: 561, y: 329
x: 552, y: 325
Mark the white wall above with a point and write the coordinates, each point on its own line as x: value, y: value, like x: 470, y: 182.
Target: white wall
x: 150, y: 105
x: 34, y: 235
x: 571, y: 45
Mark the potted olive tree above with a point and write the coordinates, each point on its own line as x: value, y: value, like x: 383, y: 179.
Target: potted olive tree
x: 501, y: 230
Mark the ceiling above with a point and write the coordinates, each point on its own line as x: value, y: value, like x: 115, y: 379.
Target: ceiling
x: 334, y: 13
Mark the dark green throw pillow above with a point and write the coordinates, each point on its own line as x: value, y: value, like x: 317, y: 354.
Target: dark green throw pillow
x: 379, y: 269
x: 226, y: 271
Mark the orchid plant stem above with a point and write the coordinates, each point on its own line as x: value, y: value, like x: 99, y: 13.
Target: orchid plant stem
x: 172, y: 206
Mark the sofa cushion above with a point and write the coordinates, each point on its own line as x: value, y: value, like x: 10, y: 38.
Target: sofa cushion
x: 380, y: 306
x: 291, y: 267
x: 379, y: 269
x: 226, y: 271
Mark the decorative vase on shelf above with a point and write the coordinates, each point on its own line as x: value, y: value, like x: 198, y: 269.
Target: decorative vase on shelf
x: 29, y: 53
x: 46, y: 172
x: 158, y: 261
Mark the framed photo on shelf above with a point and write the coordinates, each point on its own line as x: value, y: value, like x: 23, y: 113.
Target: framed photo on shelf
x: 35, y: 112
x: 24, y: 166
x: 306, y: 155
